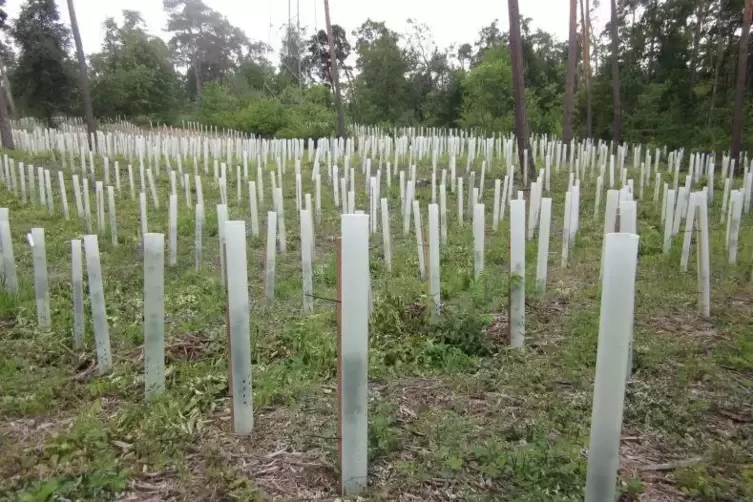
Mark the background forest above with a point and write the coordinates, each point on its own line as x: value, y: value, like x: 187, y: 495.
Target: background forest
x: 677, y: 64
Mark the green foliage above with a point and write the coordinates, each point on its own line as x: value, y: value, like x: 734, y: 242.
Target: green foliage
x: 206, y: 44
x: 294, y: 65
x: 731, y: 480
x: 380, y: 91
x: 543, y: 469
x: 403, y: 333
x: 677, y: 62
x: 217, y: 106
x: 487, y: 93
x: 678, y: 65
x: 133, y: 75
x: 263, y: 116
x: 488, y: 101
x: 383, y: 433
x: 44, y: 75
x: 464, y: 331
x: 319, y: 57
x: 250, y: 80
x: 295, y: 114
x: 395, y: 323
x: 448, y: 403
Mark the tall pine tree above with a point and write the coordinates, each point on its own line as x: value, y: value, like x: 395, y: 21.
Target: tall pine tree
x: 43, y: 77
x: 83, y: 76
x: 742, y: 73
x: 6, y: 135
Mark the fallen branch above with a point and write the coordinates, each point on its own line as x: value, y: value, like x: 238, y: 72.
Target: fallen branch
x: 670, y: 466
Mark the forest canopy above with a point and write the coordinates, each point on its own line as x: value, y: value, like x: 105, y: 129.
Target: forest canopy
x: 677, y: 63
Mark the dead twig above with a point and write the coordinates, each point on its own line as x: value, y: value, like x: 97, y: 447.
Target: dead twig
x: 671, y: 466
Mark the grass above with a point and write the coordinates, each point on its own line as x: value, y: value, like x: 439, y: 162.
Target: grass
x: 453, y: 413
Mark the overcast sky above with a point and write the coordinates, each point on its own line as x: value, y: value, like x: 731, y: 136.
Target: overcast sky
x: 450, y: 22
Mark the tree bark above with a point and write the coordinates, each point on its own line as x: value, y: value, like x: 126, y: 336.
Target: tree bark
x: 652, y: 44
x: 572, y: 57
x: 703, y: 11
x: 616, y: 101
x: 720, y: 53
x: 83, y: 76
x: 6, y: 134
x: 334, y: 73
x: 586, y: 22
x: 521, y: 125
x: 742, y: 71
x: 6, y: 86
x: 197, y: 77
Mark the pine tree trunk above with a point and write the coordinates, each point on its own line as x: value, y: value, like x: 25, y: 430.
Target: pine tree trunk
x: 703, y: 12
x: 572, y: 57
x: 616, y: 101
x: 6, y: 134
x: 83, y: 76
x: 742, y: 71
x: 720, y: 52
x: 197, y: 77
x: 521, y: 125
x: 586, y: 22
x: 334, y: 73
x: 6, y: 85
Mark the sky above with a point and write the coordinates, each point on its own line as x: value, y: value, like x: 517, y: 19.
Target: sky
x: 450, y: 22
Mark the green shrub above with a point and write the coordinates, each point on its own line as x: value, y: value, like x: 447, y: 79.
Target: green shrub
x: 263, y: 116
